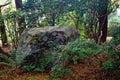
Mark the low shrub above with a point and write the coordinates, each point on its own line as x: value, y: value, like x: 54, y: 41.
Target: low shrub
x: 107, y: 64
x: 113, y: 64
x: 113, y: 51
x: 58, y: 71
x: 116, y: 36
x: 5, y: 60
x: 82, y: 48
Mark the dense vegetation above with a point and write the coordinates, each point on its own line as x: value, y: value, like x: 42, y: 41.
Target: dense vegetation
x: 94, y: 19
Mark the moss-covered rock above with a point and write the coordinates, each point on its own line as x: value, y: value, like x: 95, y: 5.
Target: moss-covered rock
x: 35, y: 41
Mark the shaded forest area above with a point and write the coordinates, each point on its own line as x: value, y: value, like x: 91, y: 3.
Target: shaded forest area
x: 59, y: 40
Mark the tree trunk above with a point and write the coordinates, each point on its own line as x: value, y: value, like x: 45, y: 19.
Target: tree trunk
x: 18, y: 4
x: 20, y: 21
x: 53, y: 20
x: 3, y: 30
x: 103, y: 21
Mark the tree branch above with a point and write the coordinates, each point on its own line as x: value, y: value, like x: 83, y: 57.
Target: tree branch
x: 5, y: 4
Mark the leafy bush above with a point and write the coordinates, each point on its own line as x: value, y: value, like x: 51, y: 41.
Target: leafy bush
x: 82, y: 48
x: 48, y: 60
x: 29, y: 68
x: 58, y: 71
x: 116, y: 36
x: 108, y: 64
x: 73, y: 51
x: 39, y: 65
x: 116, y: 32
x: 43, y: 60
x: 113, y: 22
x: 6, y: 61
x: 114, y: 54
x: 113, y: 65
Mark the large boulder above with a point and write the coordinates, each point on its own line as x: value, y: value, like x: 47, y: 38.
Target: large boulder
x: 35, y: 41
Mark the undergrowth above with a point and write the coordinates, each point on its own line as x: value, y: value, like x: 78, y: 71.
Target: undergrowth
x: 70, y: 53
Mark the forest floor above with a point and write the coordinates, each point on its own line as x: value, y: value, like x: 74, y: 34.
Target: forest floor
x: 87, y: 69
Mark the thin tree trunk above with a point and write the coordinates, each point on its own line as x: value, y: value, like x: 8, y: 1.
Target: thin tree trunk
x: 53, y: 19
x: 18, y: 4
x: 3, y: 30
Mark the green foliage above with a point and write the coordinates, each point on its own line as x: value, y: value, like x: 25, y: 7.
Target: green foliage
x: 53, y: 10
x: 9, y: 60
x: 113, y: 52
x: 116, y: 35
x: 43, y: 23
x: 13, y: 54
x: 64, y: 56
x: 31, y: 5
x: 78, y: 13
x: 11, y: 17
x: 29, y: 68
x: 116, y: 32
x: 112, y: 65
x: 6, y: 60
x: 82, y: 48
x: 33, y: 14
x: 44, y: 61
x: 108, y: 64
x: 114, y: 21
x: 58, y: 71
x: 39, y: 11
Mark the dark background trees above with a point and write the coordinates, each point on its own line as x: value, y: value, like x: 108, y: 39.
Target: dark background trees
x: 90, y: 17
x: 99, y: 11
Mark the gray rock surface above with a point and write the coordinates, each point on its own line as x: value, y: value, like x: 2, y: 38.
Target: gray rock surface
x: 35, y: 41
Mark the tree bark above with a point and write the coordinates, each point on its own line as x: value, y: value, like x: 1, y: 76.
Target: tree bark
x: 103, y: 27
x: 18, y: 4
x: 103, y: 21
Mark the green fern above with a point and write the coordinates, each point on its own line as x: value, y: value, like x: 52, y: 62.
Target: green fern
x: 6, y: 60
